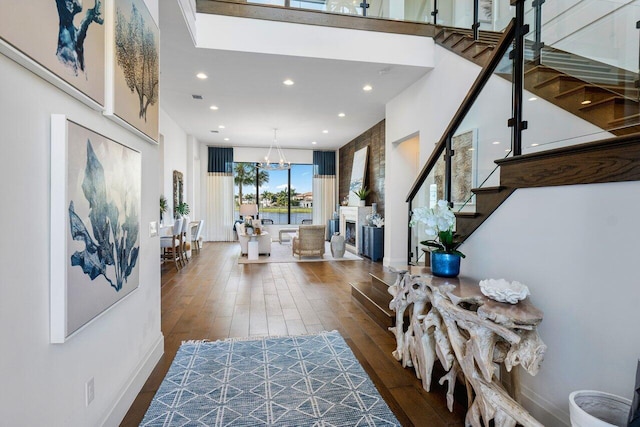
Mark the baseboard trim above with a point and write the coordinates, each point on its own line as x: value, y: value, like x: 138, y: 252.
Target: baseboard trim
x: 400, y: 263
x: 543, y: 410
x: 133, y: 387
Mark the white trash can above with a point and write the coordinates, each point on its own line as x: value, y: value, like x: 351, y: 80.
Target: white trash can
x: 589, y: 408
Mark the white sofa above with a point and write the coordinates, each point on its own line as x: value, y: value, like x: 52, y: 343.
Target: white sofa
x: 264, y: 241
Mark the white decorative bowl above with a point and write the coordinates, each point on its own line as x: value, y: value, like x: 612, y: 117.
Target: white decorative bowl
x: 502, y: 290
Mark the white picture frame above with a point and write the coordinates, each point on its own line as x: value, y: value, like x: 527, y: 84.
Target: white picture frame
x: 464, y: 167
x: 31, y: 34
x: 123, y: 103
x: 358, y: 174
x: 113, y: 186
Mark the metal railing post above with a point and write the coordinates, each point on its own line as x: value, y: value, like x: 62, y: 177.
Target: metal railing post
x: 517, y: 56
x: 476, y: 20
x: 637, y: 82
x: 364, y: 5
x: 448, y: 154
x: 434, y: 12
x: 409, y: 240
x: 538, y: 44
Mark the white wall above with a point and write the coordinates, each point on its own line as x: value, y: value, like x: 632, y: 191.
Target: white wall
x: 43, y: 383
x: 576, y: 248
x: 175, y: 158
x: 423, y: 109
x: 313, y: 41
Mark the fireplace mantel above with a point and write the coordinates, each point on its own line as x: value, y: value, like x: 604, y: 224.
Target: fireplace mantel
x: 355, y: 214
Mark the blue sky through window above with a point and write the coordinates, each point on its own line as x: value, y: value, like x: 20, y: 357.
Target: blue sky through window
x: 301, y: 179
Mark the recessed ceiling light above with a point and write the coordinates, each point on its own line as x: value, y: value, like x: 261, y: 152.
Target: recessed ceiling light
x: 226, y: 139
x: 533, y: 98
x: 496, y: 142
x: 288, y: 82
x: 341, y: 114
x: 221, y: 127
x: 367, y: 88
x: 313, y: 142
x: 507, y: 150
x: 213, y: 107
x: 585, y: 102
x: 534, y: 145
x: 325, y: 131
x: 201, y: 76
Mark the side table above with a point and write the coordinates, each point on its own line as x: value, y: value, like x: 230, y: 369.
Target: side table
x: 252, y: 248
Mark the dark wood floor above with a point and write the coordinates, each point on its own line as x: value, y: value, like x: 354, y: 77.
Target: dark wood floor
x: 215, y: 298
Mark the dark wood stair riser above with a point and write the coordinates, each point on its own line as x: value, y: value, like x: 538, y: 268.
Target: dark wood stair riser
x: 376, y: 305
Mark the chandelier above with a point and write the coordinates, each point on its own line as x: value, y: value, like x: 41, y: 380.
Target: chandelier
x: 281, y: 164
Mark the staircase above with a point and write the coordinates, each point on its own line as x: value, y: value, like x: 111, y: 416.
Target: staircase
x: 374, y: 296
x: 599, y: 93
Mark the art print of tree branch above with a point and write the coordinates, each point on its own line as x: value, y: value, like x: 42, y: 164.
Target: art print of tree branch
x: 71, y: 39
x: 110, y: 238
x: 137, y: 56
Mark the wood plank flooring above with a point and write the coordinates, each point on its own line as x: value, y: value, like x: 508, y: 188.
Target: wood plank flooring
x: 215, y: 298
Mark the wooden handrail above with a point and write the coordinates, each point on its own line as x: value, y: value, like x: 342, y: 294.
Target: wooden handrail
x: 467, y: 103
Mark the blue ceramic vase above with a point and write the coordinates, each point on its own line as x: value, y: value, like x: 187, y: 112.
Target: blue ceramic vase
x: 445, y: 265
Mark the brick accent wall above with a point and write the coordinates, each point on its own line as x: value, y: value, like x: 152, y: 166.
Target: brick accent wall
x: 374, y: 175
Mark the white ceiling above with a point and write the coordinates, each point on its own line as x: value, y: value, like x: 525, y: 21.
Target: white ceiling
x: 252, y: 101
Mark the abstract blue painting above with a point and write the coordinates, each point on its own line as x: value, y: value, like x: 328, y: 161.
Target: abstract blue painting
x: 102, y: 230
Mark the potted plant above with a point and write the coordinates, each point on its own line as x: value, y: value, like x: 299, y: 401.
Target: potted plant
x: 163, y: 207
x: 182, y: 209
x: 439, y: 223
x: 362, y: 194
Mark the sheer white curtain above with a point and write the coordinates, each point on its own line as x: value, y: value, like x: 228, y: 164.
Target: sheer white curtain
x: 324, y: 198
x: 219, y: 221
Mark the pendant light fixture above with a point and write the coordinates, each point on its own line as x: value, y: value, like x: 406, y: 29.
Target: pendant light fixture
x: 279, y: 164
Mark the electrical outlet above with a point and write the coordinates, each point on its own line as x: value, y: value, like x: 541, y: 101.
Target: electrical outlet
x: 90, y: 391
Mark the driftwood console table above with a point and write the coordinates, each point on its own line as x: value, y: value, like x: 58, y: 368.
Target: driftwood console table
x: 452, y: 321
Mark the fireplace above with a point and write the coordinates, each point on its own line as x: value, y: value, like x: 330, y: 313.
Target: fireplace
x: 351, y: 218
x: 350, y: 233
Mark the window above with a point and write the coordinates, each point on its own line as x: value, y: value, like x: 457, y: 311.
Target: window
x: 284, y: 196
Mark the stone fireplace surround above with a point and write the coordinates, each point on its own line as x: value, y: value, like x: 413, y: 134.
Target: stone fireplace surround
x: 357, y: 215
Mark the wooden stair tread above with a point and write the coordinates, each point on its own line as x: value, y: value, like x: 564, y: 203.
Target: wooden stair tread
x: 495, y: 189
x: 386, y: 277
x: 630, y: 119
x: 377, y: 298
x: 613, y: 99
x: 466, y: 214
x: 585, y: 87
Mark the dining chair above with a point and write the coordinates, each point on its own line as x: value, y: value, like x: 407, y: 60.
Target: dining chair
x: 196, y: 238
x: 171, y: 245
x: 185, y: 240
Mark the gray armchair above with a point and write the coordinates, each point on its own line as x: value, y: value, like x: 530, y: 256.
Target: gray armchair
x: 309, y: 241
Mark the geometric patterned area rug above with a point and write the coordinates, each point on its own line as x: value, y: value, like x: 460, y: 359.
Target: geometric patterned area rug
x: 309, y: 380
x: 282, y: 253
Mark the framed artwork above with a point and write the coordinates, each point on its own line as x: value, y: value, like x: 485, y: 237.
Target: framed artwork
x: 358, y: 173
x: 95, y: 225
x: 62, y: 41
x: 178, y: 191
x: 485, y: 11
x: 464, y: 169
x: 133, y: 64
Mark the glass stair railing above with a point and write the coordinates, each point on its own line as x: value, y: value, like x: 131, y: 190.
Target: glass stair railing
x: 493, y: 15
x: 582, y: 56
x: 478, y: 138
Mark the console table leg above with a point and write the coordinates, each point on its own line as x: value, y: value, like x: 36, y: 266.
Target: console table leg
x: 515, y: 383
